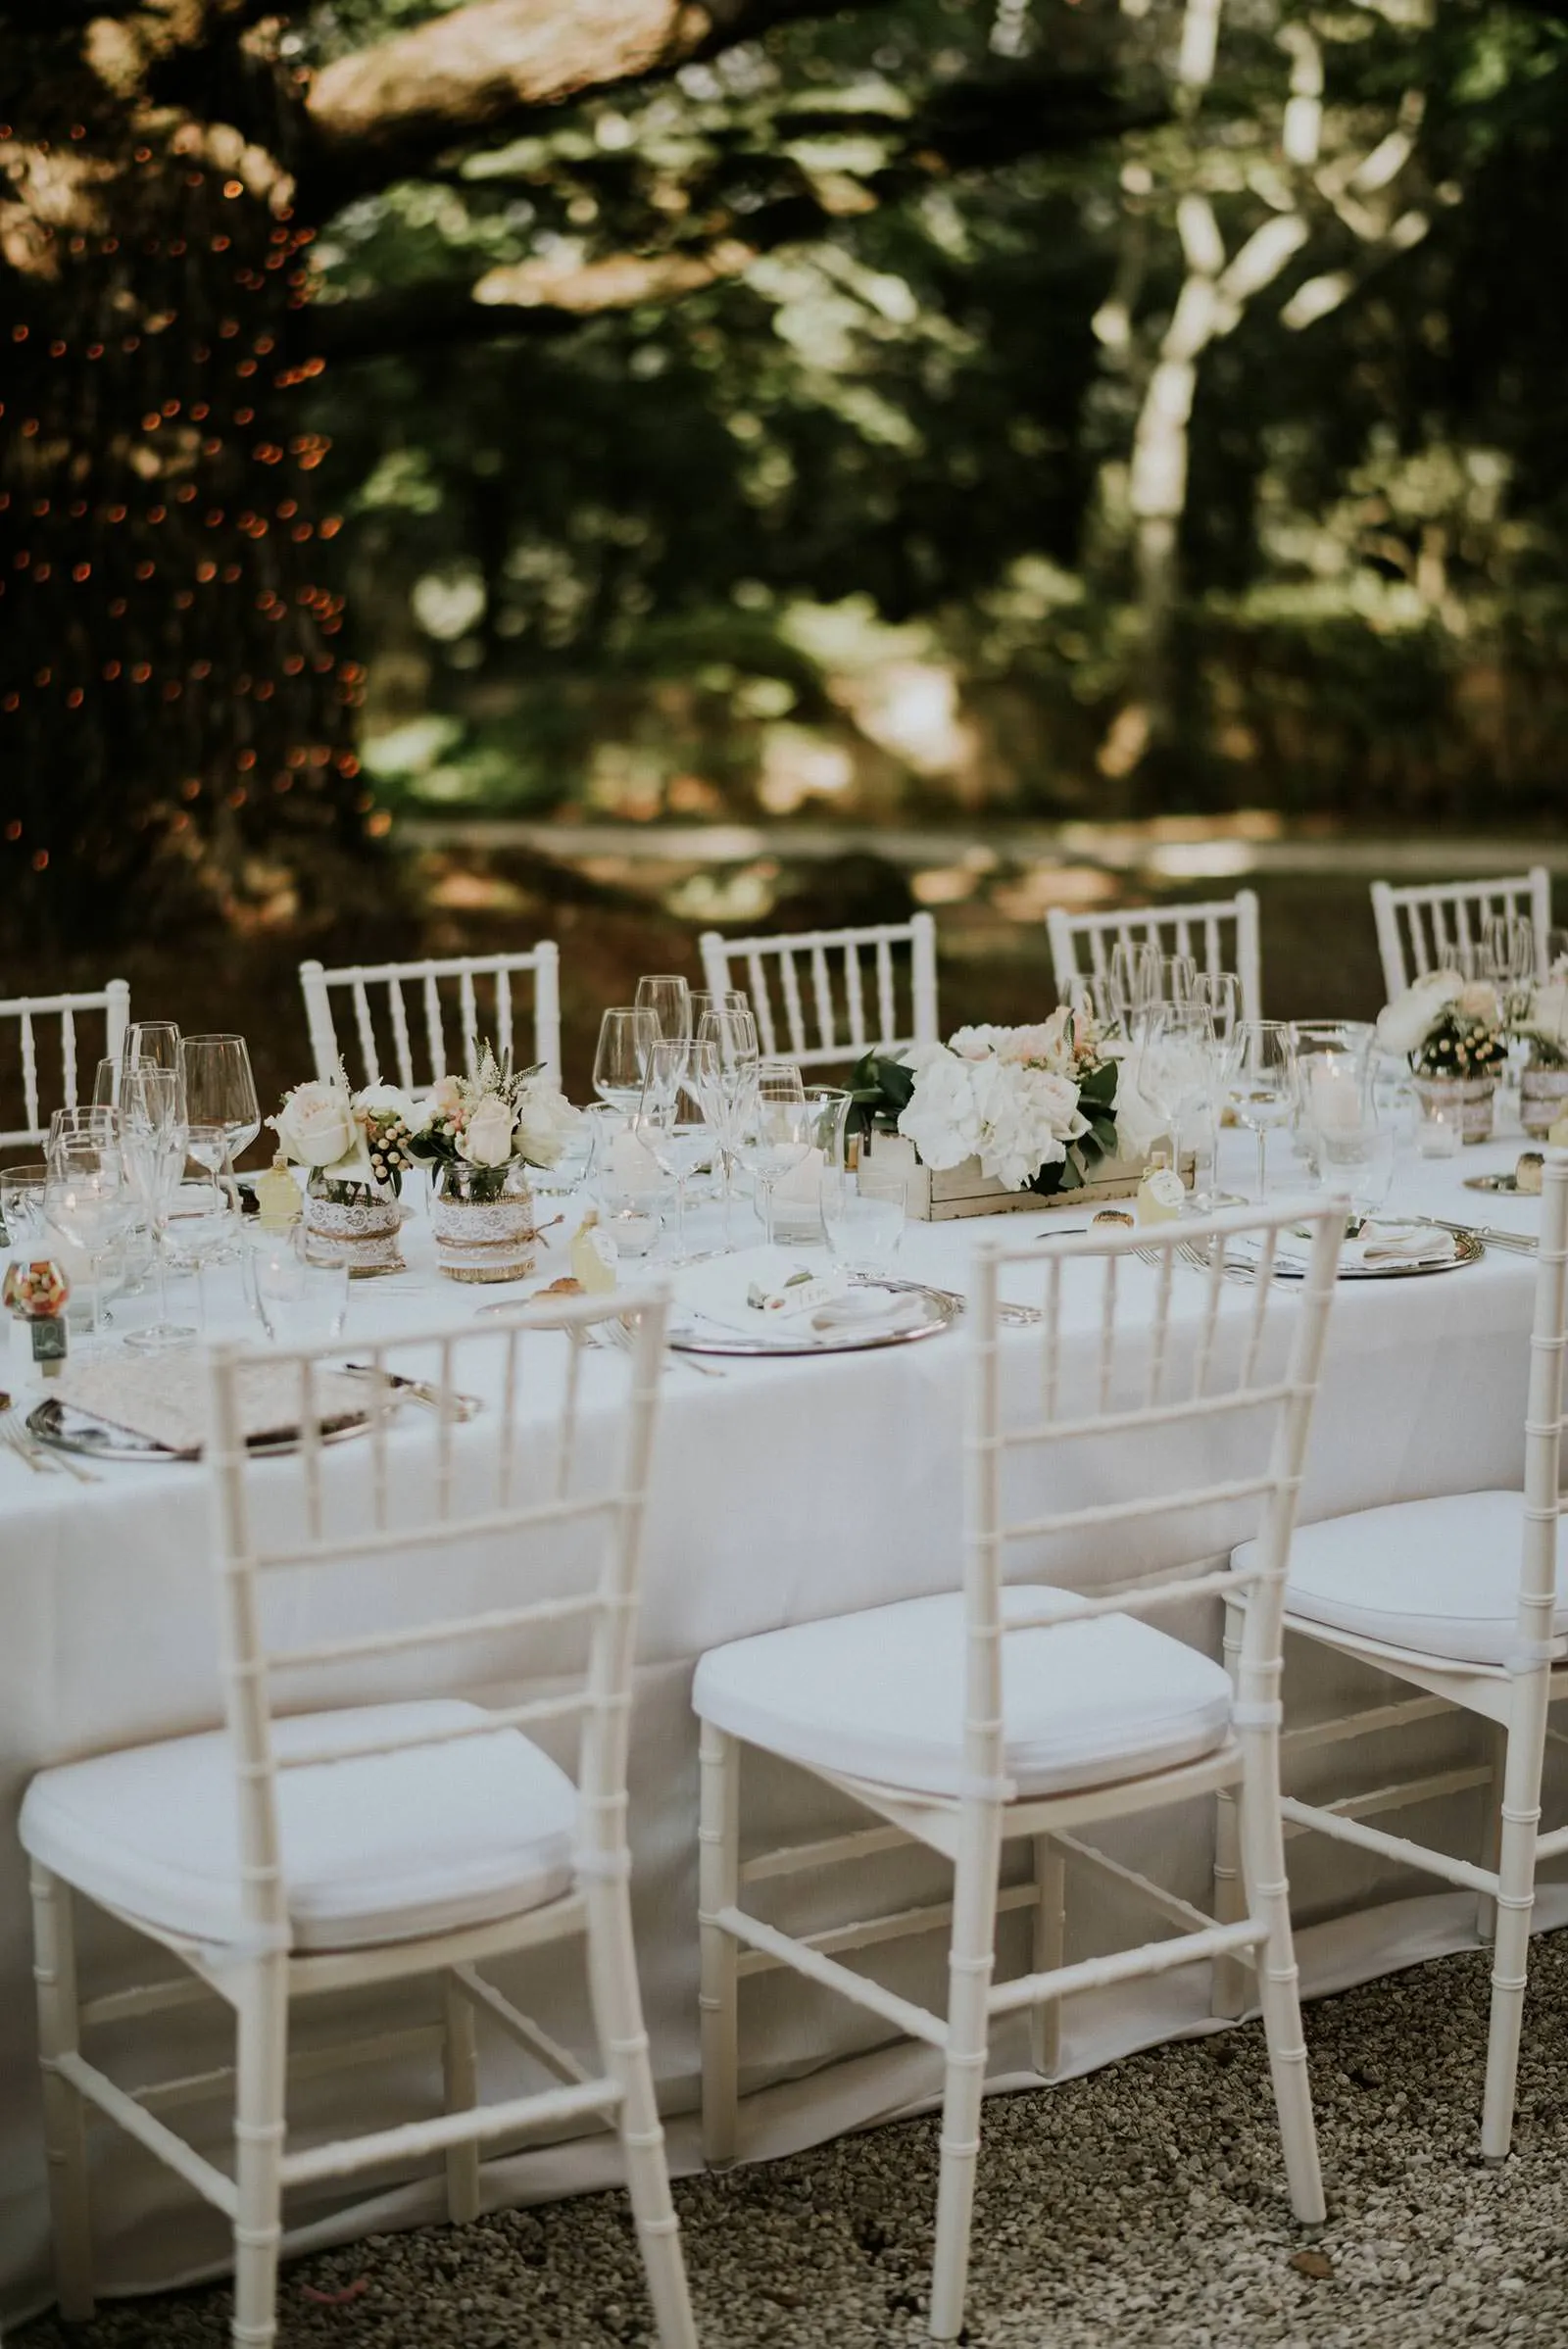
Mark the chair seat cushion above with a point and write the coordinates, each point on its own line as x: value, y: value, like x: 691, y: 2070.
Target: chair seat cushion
x: 1438, y: 1577
x: 880, y: 1695
x: 383, y: 1847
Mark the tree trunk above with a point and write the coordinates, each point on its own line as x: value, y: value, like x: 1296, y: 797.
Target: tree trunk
x: 177, y: 715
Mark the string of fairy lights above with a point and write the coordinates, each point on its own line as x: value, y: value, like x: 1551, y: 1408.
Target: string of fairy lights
x: 171, y: 665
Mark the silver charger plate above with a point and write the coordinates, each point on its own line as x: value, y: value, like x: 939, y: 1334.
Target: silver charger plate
x: 941, y: 1310
x: 63, y: 1428
x: 1466, y: 1250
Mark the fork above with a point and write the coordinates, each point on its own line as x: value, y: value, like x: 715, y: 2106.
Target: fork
x: 614, y: 1334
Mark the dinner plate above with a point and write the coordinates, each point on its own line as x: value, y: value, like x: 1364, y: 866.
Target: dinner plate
x: 65, y: 1429
x: 1466, y: 1250
x: 938, y: 1312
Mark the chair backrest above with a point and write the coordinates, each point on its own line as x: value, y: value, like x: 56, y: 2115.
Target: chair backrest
x: 1206, y: 1419
x: 28, y: 1044
x: 1219, y: 933
x: 1548, y: 1336
x: 519, y: 1534
x: 824, y: 996
x: 1418, y: 926
x: 473, y: 991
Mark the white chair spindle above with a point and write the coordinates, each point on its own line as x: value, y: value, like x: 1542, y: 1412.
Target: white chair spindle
x: 400, y: 1035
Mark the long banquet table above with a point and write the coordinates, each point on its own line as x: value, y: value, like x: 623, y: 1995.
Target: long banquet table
x: 783, y: 1492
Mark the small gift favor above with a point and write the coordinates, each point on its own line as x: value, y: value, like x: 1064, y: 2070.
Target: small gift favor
x: 1162, y: 1195
x: 593, y: 1256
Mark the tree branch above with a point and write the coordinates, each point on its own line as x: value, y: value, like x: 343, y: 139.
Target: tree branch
x: 382, y: 113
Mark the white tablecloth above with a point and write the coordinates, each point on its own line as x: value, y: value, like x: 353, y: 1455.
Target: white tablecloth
x: 783, y: 1492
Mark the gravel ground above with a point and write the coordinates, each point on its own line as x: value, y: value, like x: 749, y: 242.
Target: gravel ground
x: 1142, y: 2207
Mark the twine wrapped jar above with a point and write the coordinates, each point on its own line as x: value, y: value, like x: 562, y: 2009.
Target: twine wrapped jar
x: 1468, y: 1100
x: 482, y: 1218
x: 1543, y: 1099
x: 356, y: 1223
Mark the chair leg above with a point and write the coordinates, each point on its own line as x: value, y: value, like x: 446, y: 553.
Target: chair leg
x: 1262, y: 1844
x: 1491, y: 1841
x: 1228, y: 1985
x: 261, y: 2069
x: 64, y: 2118
x: 971, y: 1959
x: 1510, y: 1956
x: 460, y: 2073
x: 623, y: 2042
x: 719, y: 1865
x: 1049, y: 1943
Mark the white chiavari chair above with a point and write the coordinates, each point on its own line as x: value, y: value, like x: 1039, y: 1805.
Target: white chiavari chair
x: 1221, y: 934
x: 1022, y: 1710
x: 1464, y: 1599
x: 826, y: 996
x: 29, y: 1020
x: 364, y: 1842
x: 1417, y: 927
x: 406, y: 1042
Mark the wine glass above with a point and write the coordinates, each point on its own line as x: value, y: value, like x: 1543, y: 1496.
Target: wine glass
x: 1220, y: 994
x: 703, y: 1000
x: 200, y: 1223
x: 664, y: 1124
x: 85, y: 1199
x: 1176, y: 1066
x: 1176, y: 975
x: 1262, y: 1085
x: 777, y: 1132
x: 628, y: 1035
x: 221, y: 1090
x: 669, y: 998
x: 1134, y: 978
x: 156, y: 1040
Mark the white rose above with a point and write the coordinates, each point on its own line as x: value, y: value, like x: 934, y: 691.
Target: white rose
x: 486, y: 1139
x: 1478, y: 1001
x: 1404, y: 1025
x: 977, y: 1043
x: 545, y: 1119
x: 386, y: 1100
x: 1549, y: 1013
x: 315, y: 1125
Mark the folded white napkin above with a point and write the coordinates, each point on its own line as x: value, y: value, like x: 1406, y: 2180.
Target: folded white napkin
x: 1377, y: 1246
x: 721, y: 1289
x: 868, y: 1307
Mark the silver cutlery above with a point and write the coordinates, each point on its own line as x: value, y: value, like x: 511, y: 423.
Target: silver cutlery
x: 41, y: 1458
x: 617, y: 1336
x: 1519, y: 1244
x: 419, y: 1391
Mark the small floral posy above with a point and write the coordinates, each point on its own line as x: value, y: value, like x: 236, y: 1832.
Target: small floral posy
x: 358, y: 1142
x: 1446, y: 1026
x: 492, y: 1121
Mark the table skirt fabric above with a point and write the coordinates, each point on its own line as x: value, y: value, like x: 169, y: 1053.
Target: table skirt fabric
x: 786, y: 1494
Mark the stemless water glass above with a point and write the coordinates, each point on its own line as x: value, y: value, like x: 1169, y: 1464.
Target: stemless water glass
x: 1262, y: 1085
x: 221, y: 1090
x: 1359, y: 1161
x: 300, y: 1294
x: 669, y: 998
x: 864, y: 1215
x: 777, y: 1133
x: 628, y: 1035
x: 22, y: 1191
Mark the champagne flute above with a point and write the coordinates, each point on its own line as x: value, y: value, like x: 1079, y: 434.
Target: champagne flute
x: 1262, y: 1085
x: 221, y: 1090
x: 777, y: 1133
x: 669, y: 998
x: 628, y: 1034
x: 723, y: 1087
x: 1176, y: 1065
x: 1134, y: 978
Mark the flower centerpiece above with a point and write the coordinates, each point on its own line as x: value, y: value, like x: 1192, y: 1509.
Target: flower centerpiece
x: 1040, y: 1110
x: 356, y: 1147
x: 479, y: 1136
x: 1543, y: 1028
x: 1452, y: 1033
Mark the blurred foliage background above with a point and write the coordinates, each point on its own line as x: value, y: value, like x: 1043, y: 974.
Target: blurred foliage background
x: 935, y: 418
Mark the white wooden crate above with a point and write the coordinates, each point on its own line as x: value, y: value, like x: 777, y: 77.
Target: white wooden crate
x: 935, y: 1196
